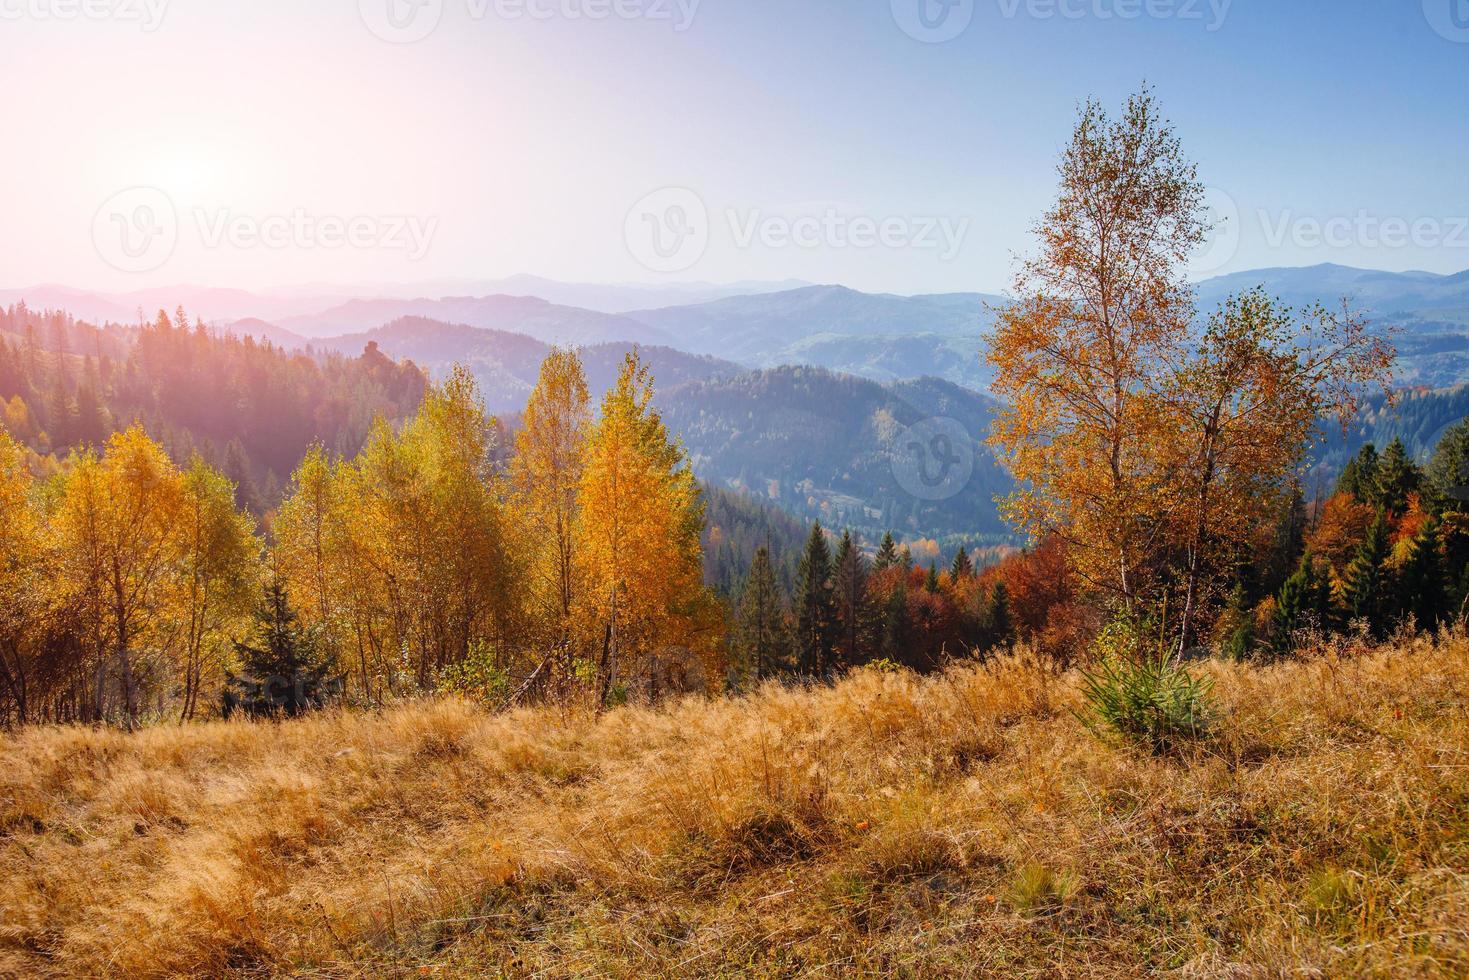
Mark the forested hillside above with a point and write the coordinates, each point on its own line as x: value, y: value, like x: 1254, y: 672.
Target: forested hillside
x: 251, y: 408
x: 505, y: 364
x: 828, y: 446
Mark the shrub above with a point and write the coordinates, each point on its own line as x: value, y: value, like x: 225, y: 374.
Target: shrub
x: 1143, y: 697
x: 477, y: 677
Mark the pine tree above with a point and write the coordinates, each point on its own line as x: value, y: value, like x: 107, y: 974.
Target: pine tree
x: 762, y: 631
x: 853, y: 607
x: 1364, y: 587
x: 1421, y: 580
x: 288, y: 674
x: 1304, y: 600
x: 962, y: 568
x: 815, y: 613
x: 931, y: 580
x: 1397, y: 477
x: 905, y: 558
x: 1359, y: 476
x: 896, y: 628
x: 997, y: 626
x: 887, y: 554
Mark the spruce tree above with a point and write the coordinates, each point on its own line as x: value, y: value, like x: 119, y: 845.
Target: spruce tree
x: 887, y: 554
x: 1397, y: 477
x: 1421, y: 587
x: 288, y: 674
x: 761, y: 625
x: 931, y: 580
x: 1364, y: 593
x: 962, y: 568
x: 896, y: 630
x: 1304, y: 600
x: 1359, y: 477
x: 814, y: 606
x: 998, y: 628
x: 854, y: 618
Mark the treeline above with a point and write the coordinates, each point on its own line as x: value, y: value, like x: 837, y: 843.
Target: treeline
x: 1388, y: 549
x: 136, y: 589
x: 250, y: 409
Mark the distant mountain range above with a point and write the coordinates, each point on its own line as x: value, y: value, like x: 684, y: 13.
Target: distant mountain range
x: 882, y: 337
x: 506, y: 364
x: 272, y: 306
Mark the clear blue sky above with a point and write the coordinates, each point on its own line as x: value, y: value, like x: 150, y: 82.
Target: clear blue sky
x: 525, y: 142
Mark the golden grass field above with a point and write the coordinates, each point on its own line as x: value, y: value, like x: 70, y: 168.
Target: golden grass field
x: 961, y: 825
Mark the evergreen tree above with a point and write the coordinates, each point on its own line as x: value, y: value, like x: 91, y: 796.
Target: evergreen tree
x: 288, y: 674
x: 1237, y: 625
x: 962, y: 568
x: 887, y: 554
x: 1421, y: 579
x: 854, y: 617
x: 1359, y: 476
x: 931, y: 580
x: 905, y: 558
x: 1285, y: 552
x: 896, y: 628
x: 815, y: 614
x: 1397, y: 477
x: 1364, y: 592
x: 1304, y: 601
x: 997, y: 626
x: 762, y: 632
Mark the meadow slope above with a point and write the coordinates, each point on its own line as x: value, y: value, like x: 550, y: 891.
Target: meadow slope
x: 961, y: 825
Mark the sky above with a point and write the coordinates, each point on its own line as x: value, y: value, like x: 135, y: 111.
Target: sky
x: 889, y: 145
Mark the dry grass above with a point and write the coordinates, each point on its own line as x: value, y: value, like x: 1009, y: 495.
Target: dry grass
x: 956, y: 826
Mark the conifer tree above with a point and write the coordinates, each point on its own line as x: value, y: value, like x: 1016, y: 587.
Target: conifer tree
x: 1359, y: 476
x: 998, y: 627
x: 1397, y: 477
x: 853, y: 607
x: 815, y: 614
x: 896, y: 628
x: 1421, y: 587
x: 287, y: 673
x: 931, y: 580
x: 1304, y: 600
x: 887, y: 554
x: 762, y: 631
x: 1364, y: 587
x: 962, y: 568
